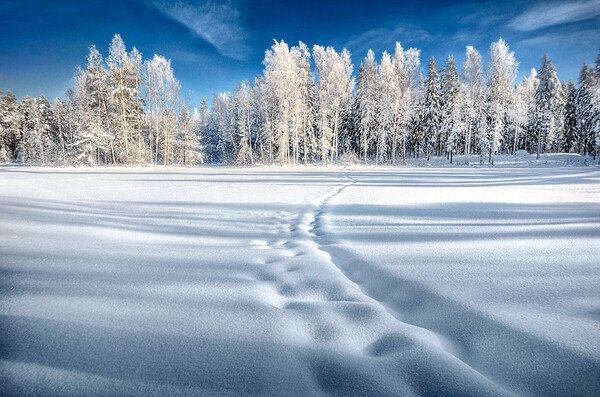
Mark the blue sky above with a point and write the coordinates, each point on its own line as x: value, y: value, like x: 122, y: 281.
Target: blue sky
x: 214, y: 45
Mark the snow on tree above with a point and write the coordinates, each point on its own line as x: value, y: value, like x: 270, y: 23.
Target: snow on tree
x: 595, y: 121
x: 429, y: 111
x: 9, y: 127
x: 549, y: 107
x: 367, y: 103
x: 303, y: 114
x: 163, y: 94
x: 282, y: 77
x: 224, y: 123
x: 472, y: 77
x: 125, y: 83
x: 501, y: 74
x: 333, y: 94
x: 572, y: 139
x: 584, y: 106
x: 209, y: 137
x: 522, y: 110
x: 88, y: 129
x: 188, y: 143
x: 406, y: 66
x: 389, y: 91
x: 244, y: 121
x: 293, y: 113
x: 451, y: 129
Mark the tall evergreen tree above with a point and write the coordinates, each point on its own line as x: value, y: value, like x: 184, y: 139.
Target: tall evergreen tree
x: 451, y: 128
x: 549, y: 107
x: 572, y: 141
x: 429, y: 120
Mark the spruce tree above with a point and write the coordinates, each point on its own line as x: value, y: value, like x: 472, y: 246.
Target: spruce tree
x: 548, y: 107
x: 430, y: 108
x: 451, y: 129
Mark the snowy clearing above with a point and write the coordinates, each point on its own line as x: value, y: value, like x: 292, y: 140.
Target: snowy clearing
x: 355, y: 280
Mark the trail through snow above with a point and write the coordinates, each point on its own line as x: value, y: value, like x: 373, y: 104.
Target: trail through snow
x: 299, y: 281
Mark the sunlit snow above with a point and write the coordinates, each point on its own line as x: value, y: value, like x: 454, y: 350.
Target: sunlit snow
x: 301, y: 280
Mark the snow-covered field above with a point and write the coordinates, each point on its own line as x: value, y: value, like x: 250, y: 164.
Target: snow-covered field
x: 355, y: 280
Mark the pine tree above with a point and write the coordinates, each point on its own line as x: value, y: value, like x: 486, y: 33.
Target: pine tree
x: 430, y: 117
x: 548, y: 107
x: 451, y: 129
x: 9, y: 127
x: 572, y: 141
x: 595, y: 120
x: 189, y: 149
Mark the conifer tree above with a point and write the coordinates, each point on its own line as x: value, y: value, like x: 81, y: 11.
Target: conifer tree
x: 548, y: 107
x: 451, y: 129
x: 430, y: 108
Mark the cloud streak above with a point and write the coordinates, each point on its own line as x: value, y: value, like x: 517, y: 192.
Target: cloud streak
x: 386, y: 38
x: 544, y: 15
x: 556, y: 40
x: 217, y: 23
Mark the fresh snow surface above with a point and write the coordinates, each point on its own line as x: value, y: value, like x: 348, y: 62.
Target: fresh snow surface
x: 357, y: 280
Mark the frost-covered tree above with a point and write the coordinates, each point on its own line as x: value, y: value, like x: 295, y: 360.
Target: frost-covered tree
x: 429, y: 111
x: 61, y: 114
x: 9, y: 127
x: 333, y: 93
x: 209, y: 138
x: 125, y: 82
x: 244, y: 122
x: 595, y: 120
x: 584, y: 106
x: 223, y: 121
x: 188, y: 143
x: 389, y: 90
x: 88, y: 143
x: 163, y: 98
x: 474, y: 106
x: 452, y: 128
x: 501, y: 74
x: 572, y: 139
x: 522, y: 110
x: 549, y: 107
x: 406, y: 66
x: 367, y: 103
x: 303, y: 112
x: 36, y: 145
x: 282, y: 86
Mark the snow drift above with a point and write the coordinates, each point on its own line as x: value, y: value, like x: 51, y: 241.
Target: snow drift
x: 300, y: 281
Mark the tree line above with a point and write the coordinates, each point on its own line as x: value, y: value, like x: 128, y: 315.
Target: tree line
x: 306, y: 107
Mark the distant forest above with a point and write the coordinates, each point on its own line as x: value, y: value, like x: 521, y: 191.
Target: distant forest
x: 307, y: 107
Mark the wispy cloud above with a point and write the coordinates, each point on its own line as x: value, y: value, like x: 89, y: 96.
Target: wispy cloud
x: 217, y: 23
x: 387, y: 37
x: 544, y: 15
x: 554, y: 40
